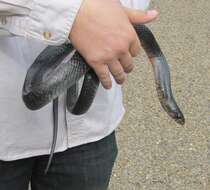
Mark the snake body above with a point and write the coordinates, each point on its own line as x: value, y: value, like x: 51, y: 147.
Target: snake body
x: 57, y: 70
x: 161, y: 73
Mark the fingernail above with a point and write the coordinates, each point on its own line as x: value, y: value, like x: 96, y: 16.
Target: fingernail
x: 152, y: 13
x: 107, y: 85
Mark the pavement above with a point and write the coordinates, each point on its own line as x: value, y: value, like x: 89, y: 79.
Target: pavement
x: 155, y: 153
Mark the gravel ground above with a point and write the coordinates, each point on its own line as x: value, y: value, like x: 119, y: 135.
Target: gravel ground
x: 154, y: 152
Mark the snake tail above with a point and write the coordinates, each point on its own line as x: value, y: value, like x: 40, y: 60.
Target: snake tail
x: 55, y: 133
x: 161, y: 73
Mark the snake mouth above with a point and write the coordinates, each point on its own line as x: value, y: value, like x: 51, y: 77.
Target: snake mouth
x: 180, y: 121
x: 178, y: 117
x: 173, y: 111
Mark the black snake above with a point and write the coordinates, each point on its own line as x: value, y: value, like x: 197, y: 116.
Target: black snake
x: 56, y: 70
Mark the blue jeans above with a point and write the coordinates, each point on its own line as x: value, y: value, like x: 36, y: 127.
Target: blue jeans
x: 86, y: 167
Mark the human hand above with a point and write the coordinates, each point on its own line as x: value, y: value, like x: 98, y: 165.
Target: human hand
x: 104, y: 36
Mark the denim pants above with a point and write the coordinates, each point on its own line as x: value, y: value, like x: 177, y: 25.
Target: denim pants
x: 86, y: 167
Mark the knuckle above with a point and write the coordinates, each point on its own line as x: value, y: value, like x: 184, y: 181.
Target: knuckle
x: 92, y: 59
x: 103, y: 75
x: 122, y: 47
x: 108, y: 56
x: 119, y: 44
x: 119, y: 74
x: 135, y: 52
x: 107, y: 83
x: 131, y: 34
x: 135, y: 48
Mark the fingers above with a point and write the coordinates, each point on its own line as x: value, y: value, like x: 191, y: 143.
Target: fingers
x: 112, y: 40
x: 135, y: 47
x: 140, y: 17
x: 126, y: 61
x: 118, y: 69
x: 103, y: 74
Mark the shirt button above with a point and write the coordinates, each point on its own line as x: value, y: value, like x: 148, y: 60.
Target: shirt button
x: 47, y: 35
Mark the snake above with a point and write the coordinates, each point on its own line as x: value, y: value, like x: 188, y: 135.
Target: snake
x: 57, y: 70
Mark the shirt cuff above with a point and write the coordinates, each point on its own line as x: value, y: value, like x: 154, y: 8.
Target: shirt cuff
x: 48, y: 21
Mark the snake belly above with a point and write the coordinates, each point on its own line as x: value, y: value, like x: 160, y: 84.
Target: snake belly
x: 56, y: 71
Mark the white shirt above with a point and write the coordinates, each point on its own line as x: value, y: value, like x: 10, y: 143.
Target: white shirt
x: 26, y: 26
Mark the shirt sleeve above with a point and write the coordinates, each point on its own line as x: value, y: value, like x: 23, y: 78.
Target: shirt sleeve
x: 47, y: 21
x: 136, y: 4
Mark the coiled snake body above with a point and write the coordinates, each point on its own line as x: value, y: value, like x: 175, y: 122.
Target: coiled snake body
x: 56, y: 71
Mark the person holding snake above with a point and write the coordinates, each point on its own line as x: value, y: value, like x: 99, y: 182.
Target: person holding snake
x: 103, y: 33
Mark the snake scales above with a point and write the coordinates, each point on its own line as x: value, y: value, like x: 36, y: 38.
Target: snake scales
x: 56, y: 71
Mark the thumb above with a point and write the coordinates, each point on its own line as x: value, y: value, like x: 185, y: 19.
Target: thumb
x: 139, y: 16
